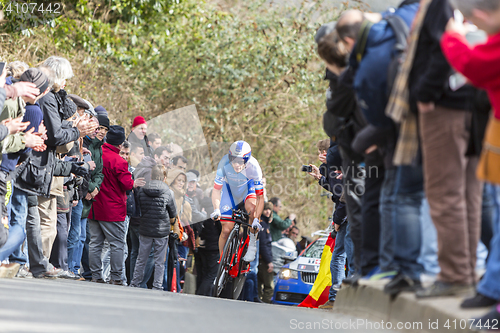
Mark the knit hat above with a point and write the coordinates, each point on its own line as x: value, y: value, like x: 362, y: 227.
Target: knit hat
x: 191, y: 177
x: 103, y: 120
x: 139, y: 120
x: 101, y: 110
x: 34, y: 116
x: 36, y: 76
x: 116, y: 135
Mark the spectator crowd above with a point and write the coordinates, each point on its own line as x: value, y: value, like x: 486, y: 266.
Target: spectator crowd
x: 81, y: 201
x: 412, y: 116
x: 413, y: 143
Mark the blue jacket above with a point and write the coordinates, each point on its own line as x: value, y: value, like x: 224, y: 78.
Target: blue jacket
x: 370, y: 82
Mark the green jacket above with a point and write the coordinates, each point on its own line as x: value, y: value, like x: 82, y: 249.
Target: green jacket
x: 13, y: 108
x: 278, y: 225
x: 96, y: 176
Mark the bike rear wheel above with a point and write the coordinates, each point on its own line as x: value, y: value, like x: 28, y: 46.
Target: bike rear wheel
x: 225, y: 263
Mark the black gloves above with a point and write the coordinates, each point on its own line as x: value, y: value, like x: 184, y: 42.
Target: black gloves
x: 78, y: 170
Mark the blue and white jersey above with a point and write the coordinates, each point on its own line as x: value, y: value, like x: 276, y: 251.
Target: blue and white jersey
x: 241, y: 184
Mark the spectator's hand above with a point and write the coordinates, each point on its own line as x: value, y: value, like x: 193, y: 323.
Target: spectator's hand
x: 40, y: 148
x: 91, y: 165
x: 75, y: 202
x: 336, y: 226
x: 85, y: 126
x: 371, y: 149
x: 86, y: 151
x: 139, y: 182
x: 15, y: 125
x: 88, y: 197
x: 32, y: 140
x: 94, y: 193
x: 458, y: 27
x: 23, y: 89
x: 322, y: 158
x: 340, y: 175
x: 426, y: 107
x: 315, y: 173
x: 215, y: 215
x: 2, y: 78
x: 270, y: 267
x: 42, y: 131
x: 256, y: 224
x: 292, y: 216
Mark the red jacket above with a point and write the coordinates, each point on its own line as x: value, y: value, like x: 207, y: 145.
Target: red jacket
x: 480, y: 64
x: 111, y: 203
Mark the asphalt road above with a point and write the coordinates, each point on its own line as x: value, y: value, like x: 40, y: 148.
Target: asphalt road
x: 62, y: 306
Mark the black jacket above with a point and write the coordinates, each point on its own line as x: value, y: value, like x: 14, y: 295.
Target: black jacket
x: 265, y: 239
x: 210, y: 231
x: 157, y: 207
x: 35, y: 175
x: 429, y: 77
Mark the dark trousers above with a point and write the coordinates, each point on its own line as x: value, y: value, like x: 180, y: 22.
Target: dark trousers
x: 59, y: 253
x: 354, y: 188
x: 265, y: 282
x: 371, y: 215
x: 87, y: 274
x: 206, y: 271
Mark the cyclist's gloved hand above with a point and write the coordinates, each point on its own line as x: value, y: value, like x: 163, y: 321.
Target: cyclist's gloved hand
x: 256, y: 224
x: 215, y: 215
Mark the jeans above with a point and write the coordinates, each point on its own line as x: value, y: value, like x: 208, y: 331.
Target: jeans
x: 75, y: 247
x: 343, y: 248
x: 18, y: 215
x: 429, y: 250
x: 85, y: 239
x: 490, y: 284
x: 488, y: 208
x: 387, y: 216
x: 134, y: 251
x: 406, y: 218
x: 16, y: 238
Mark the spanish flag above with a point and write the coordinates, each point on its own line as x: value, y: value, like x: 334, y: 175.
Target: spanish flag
x: 321, y: 288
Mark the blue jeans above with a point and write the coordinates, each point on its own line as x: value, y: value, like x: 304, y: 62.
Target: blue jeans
x: 18, y: 216
x: 409, y: 196
x: 343, y: 248
x: 428, y: 252
x: 14, y: 242
x: 74, y: 246
x: 490, y: 284
x: 387, y: 210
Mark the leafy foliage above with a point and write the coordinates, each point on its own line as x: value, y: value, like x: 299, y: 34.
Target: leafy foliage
x: 253, y: 75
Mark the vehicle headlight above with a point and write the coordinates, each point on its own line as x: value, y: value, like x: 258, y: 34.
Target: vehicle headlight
x: 287, y: 273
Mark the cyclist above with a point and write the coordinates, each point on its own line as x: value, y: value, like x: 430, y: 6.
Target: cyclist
x: 238, y: 185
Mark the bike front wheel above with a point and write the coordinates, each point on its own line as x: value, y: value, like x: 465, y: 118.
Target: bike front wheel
x: 225, y: 263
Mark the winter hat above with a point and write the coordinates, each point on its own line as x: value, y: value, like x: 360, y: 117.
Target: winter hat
x: 139, y: 120
x: 101, y: 110
x: 191, y: 177
x: 80, y: 102
x: 116, y: 135
x: 103, y: 120
x: 36, y: 76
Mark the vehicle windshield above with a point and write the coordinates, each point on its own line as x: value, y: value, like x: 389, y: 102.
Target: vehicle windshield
x: 315, y: 250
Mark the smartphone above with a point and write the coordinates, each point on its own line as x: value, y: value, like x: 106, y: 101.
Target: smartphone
x: 2, y: 66
x: 307, y: 168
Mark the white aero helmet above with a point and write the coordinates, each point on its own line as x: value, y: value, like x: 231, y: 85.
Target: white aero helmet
x: 240, y: 149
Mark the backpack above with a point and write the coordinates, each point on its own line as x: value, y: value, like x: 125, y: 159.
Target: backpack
x: 401, y: 32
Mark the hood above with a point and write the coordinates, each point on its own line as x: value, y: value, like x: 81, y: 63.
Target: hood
x: 155, y: 188
x: 143, y: 169
x: 172, y: 175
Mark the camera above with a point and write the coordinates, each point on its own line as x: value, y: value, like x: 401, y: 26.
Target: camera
x: 306, y: 168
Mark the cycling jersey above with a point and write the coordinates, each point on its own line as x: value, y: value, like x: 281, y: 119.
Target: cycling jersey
x: 237, y: 187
